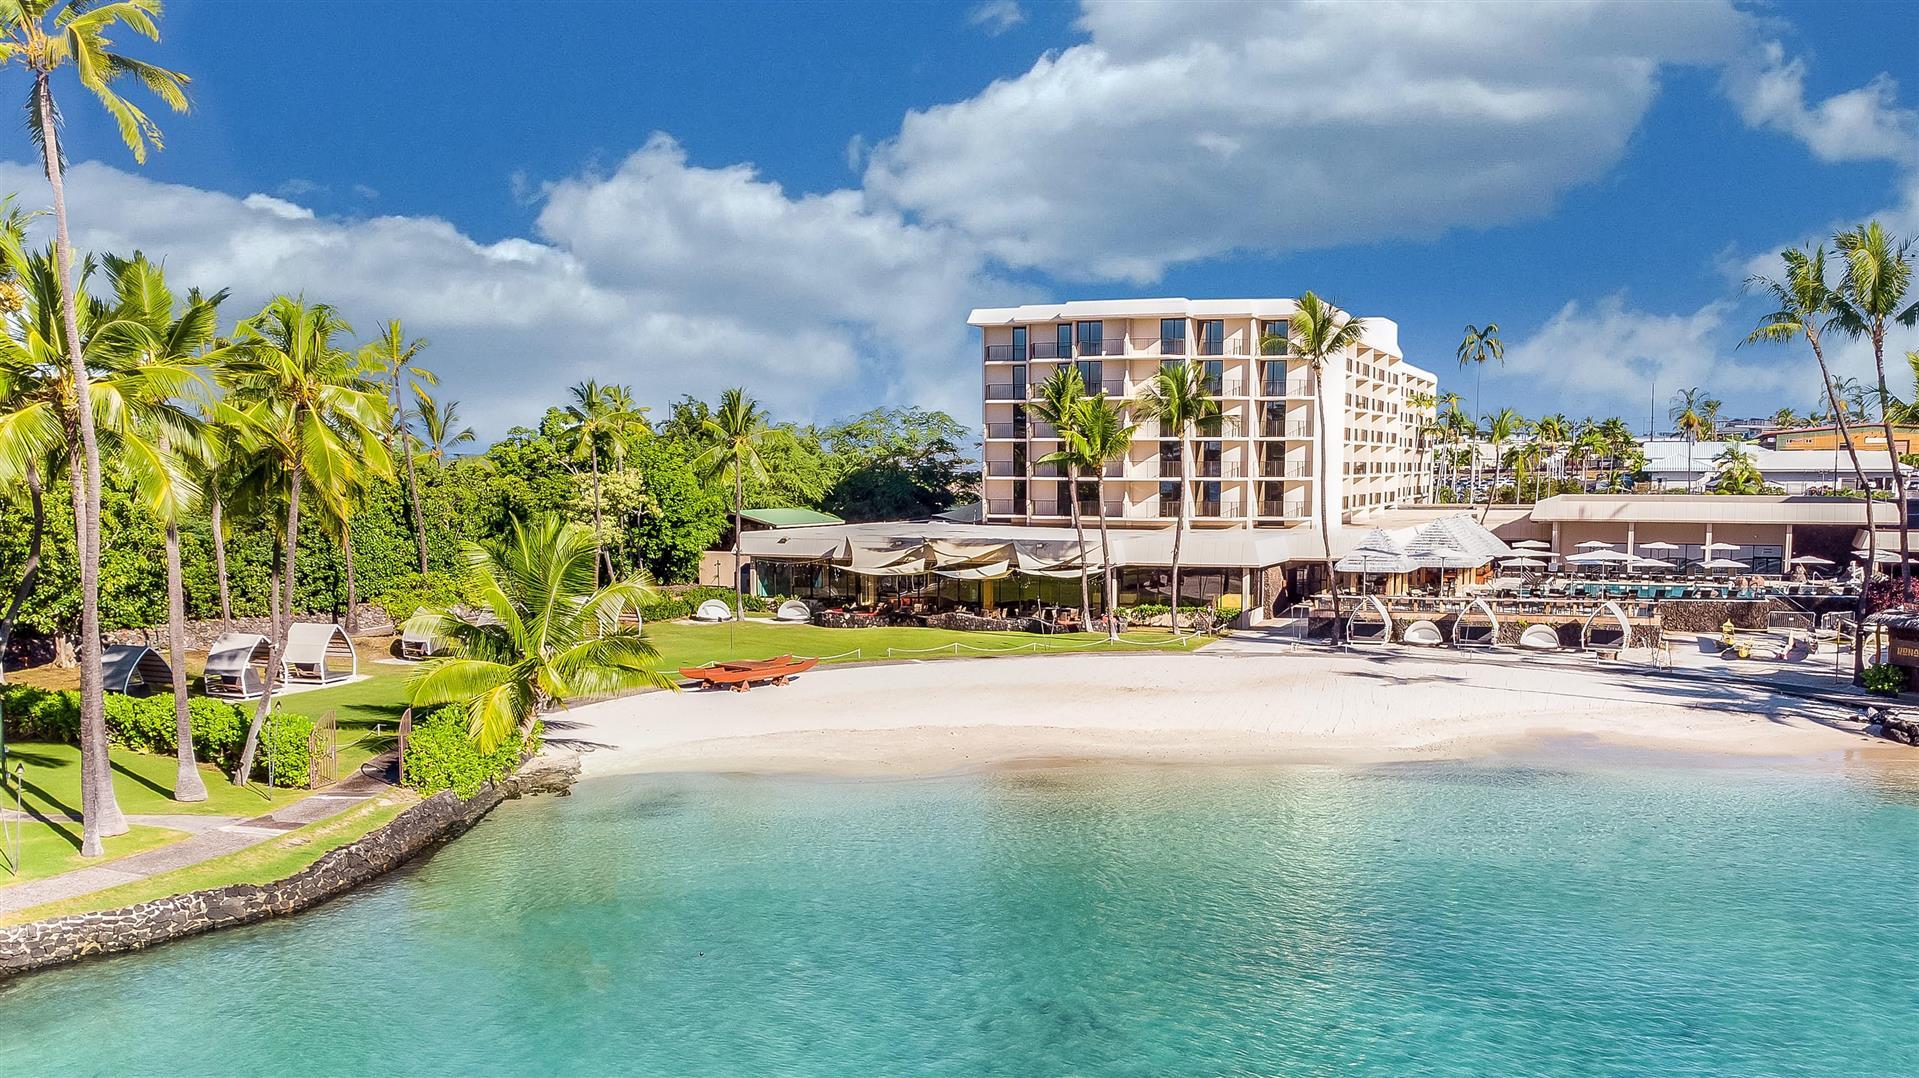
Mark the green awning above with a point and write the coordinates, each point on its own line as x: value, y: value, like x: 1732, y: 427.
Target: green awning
x: 789, y: 518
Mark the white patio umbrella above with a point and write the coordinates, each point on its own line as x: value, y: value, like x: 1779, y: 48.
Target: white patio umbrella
x: 1882, y: 556
x: 1719, y: 546
x: 1723, y: 563
x: 1810, y: 559
x: 1658, y: 544
x: 1600, y: 557
x: 1526, y: 563
x: 1651, y: 563
x: 1594, y: 544
x: 1531, y: 544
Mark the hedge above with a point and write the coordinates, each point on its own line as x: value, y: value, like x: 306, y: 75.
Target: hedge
x: 442, y: 755
x: 682, y: 603
x: 146, y: 724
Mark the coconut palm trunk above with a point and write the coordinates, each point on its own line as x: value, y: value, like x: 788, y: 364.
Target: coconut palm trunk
x: 187, y: 783
x: 1862, y: 607
x: 1079, y: 532
x: 1325, y: 484
x: 214, y: 513
x: 1106, y: 574
x: 282, y: 627
x: 1179, y: 526
x: 99, y: 807
x: 599, y: 542
x: 739, y: 576
x: 1898, y: 471
x: 413, y: 495
x: 30, y: 568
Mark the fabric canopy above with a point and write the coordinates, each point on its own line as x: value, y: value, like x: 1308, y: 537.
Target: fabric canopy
x: 888, y: 559
x: 1045, y: 557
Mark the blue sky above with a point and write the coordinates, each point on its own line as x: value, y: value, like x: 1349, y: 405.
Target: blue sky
x: 807, y: 198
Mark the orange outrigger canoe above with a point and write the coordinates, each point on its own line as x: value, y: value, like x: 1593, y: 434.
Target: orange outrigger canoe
x: 740, y: 676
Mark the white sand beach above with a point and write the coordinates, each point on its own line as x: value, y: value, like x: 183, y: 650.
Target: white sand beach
x: 1230, y: 705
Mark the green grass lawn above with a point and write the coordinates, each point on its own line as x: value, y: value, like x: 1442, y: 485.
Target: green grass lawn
x: 48, y: 848
x: 143, y: 782
x: 268, y: 861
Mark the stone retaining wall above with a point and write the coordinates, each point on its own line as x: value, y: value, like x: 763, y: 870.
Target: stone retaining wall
x: 199, y: 634
x: 431, y: 822
x: 1644, y: 635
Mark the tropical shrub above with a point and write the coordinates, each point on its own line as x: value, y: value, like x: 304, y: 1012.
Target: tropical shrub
x: 286, y: 747
x: 683, y: 601
x: 413, y: 592
x: 140, y: 723
x: 442, y: 755
x: 1885, y: 679
x: 39, y: 715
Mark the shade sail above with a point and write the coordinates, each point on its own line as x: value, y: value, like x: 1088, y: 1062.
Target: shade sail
x: 888, y: 559
x: 1055, y: 558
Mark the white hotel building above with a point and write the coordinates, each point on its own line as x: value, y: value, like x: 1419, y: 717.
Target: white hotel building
x: 1260, y: 470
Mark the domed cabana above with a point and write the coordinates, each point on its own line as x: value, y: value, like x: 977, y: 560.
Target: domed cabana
x: 318, y: 654
x: 135, y: 670
x: 237, y: 666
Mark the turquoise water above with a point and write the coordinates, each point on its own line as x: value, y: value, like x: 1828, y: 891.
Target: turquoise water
x: 1439, y: 919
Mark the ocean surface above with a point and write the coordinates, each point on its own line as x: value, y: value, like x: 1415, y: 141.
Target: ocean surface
x: 1620, y: 918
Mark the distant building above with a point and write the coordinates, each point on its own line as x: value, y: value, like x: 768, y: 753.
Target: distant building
x: 1671, y: 465
x: 1864, y: 435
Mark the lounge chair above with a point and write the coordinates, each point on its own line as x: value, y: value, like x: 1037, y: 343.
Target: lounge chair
x: 793, y: 612
x: 713, y: 610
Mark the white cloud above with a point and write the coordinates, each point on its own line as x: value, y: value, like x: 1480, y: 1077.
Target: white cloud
x: 1183, y: 131
x: 1864, y: 124
x: 666, y: 276
x: 996, y: 16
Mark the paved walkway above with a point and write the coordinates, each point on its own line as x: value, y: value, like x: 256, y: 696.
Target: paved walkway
x: 212, y: 836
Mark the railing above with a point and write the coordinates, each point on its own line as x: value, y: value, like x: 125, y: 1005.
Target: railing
x: 1048, y: 471
x: 1277, y: 347
x: 1172, y: 346
x: 1284, y: 387
x: 1168, y: 509
x: 1115, y: 469
x: 1001, y: 353
x: 1048, y: 350
x: 1283, y: 509
x: 1002, y: 468
x: 1103, y: 347
x: 1005, y: 430
x: 1224, y: 507
x: 1217, y: 469
x: 1005, y: 391
x: 1211, y: 347
x: 1045, y: 430
x: 1285, y: 469
x: 1113, y: 387
x: 1169, y: 469
x: 1003, y: 507
x: 1272, y: 429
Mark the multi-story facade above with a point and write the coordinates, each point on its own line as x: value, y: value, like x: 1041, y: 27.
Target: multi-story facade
x: 1259, y: 469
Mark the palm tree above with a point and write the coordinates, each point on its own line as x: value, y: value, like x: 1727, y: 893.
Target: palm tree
x: 1552, y: 432
x: 1872, y: 293
x: 1421, y: 403
x: 43, y: 36
x: 1099, y: 434
x: 1322, y: 333
x: 598, y: 423
x: 394, y: 355
x: 440, y: 423
x: 1805, y: 306
x: 1501, y: 427
x: 1176, y: 398
x: 1476, y: 346
x: 1057, y: 402
x: 307, y: 407
x: 1736, y: 472
x: 737, y: 428
x: 549, y: 632
x: 1692, y: 414
x: 156, y: 439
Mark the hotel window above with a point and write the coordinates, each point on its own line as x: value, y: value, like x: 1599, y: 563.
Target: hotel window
x: 1092, y: 338
x: 1019, y: 421
x: 1273, y: 338
x: 1019, y: 497
x: 1212, y: 337
x: 1214, y: 372
x: 1019, y: 344
x: 1089, y: 371
x: 1063, y: 341
x: 1169, y: 499
x: 1019, y: 378
x: 1172, y: 336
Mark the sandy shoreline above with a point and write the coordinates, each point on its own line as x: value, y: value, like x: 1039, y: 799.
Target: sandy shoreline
x: 1241, y: 707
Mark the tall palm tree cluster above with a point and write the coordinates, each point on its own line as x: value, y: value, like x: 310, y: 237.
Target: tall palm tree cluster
x: 1537, y: 457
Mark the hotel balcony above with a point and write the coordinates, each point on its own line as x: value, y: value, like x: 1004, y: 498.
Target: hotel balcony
x: 1285, y: 469
x: 1224, y: 507
x: 996, y: 507
x: 1297, y: 509
x: 1006, y: 431
x: 1217, y: 469
x: 1288, y: 387
x: 1288, y: 429
x: 1005, y: 391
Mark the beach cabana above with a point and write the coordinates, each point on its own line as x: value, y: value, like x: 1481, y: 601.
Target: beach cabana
x: 134, y: 670
x: 1606, y: 628
x: 316, y: 652
x: 418, y: 638
x: 1539, y: 638
x: 237, y: 666
x: 792, y: 612
x: 1476, y: 626
x: 713, y: 610
x: 1369, y: 623
x: 1424, y: 633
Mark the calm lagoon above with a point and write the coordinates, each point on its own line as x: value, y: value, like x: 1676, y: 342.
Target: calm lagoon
x: 1450, y: 918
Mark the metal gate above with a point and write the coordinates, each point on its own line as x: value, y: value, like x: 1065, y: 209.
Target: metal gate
x: 323, y: 752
